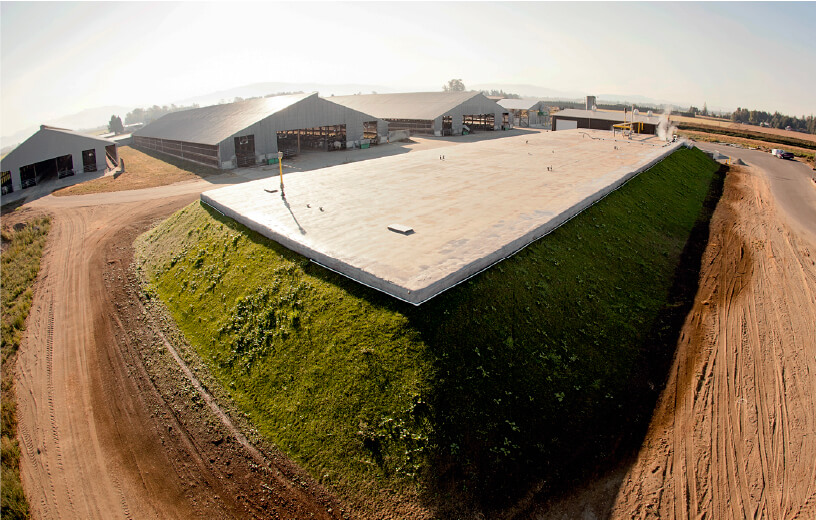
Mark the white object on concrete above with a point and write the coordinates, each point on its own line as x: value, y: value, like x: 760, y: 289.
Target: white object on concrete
x: 485, y: 202
x: 401, y: 228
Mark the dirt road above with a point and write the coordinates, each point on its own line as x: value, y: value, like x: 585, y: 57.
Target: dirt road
x: 100, y: 437
x: 733, y: 435
x: 110, y: 426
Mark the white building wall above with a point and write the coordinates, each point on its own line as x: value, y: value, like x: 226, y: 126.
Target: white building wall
x: 48, y: 144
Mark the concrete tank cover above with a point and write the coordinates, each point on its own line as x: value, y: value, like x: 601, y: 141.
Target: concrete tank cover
x: 486, y: 201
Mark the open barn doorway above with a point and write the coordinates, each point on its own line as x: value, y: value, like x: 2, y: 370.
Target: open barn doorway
x: 292, y: 142
x: 245, y: 151
x: 478, y: 121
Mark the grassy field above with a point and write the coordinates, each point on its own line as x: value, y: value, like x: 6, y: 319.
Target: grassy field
x: 22, y: 250
x: 741, y: 128
x: 531, y: 372
x: 143, y: 169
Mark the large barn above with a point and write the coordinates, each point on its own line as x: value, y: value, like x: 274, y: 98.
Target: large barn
x: 526, y: 112
x: 54, y: 153
x: 252, y: 132
x: 434, y: 113
x: 602, y: 120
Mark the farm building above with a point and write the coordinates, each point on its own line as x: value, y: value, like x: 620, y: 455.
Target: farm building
x: 602, y: 120
x: 54, y: 153
x: 526, y: 112
x: 434, y: 113
x: 252, y: 132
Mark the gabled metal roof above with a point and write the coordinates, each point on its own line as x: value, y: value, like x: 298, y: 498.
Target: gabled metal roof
x: 519, y: 104
x: 407, y: 105
x: 211, y: 125
x: 50, y: 142
x: 617, y: 116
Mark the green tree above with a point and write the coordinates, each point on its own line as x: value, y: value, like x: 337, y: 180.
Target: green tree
x: 455, y: 85
x: 115, y: 125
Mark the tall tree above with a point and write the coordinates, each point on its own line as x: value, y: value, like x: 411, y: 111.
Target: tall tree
x: 115, y: 125
x: 455, y: 85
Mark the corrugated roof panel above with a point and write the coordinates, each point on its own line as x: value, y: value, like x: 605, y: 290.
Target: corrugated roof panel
x: 211, y: 125
x: 518, y: 104
x: 50, y: 142
x: 407, y: 105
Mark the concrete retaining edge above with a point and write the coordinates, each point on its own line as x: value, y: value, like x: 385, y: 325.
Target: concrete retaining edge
x: 472, y: 269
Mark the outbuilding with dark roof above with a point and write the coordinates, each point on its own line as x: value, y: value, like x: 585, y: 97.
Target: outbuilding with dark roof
x: 602, y: 120
x: 252, y: 132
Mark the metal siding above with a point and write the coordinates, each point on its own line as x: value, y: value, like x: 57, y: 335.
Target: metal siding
x: 49, y: 143
x: 309, y: 113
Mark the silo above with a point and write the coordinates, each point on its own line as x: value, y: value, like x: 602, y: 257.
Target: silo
x: 591, y: 102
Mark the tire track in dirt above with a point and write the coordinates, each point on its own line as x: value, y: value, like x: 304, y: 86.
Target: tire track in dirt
x: 733, y: 435
x: 100, y: 439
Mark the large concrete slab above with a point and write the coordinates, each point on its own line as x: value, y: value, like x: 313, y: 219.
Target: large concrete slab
x: 477, y: 205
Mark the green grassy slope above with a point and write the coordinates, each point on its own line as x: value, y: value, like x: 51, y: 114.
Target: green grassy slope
x: 22, y: 251
x: 527, y: 372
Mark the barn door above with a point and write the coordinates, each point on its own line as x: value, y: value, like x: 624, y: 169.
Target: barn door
x: 89, y: 160
x: 245, y: 150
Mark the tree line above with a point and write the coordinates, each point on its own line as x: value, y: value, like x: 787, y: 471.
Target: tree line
x: 146, y: 115
x: 776, y: 120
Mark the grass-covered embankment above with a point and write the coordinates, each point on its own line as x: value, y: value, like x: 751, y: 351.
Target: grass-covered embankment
x: 22, y: 250
x: 527, y: 373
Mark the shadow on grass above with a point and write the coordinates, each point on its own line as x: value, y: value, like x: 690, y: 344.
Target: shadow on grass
x: 188, y: 166
x: 546, y: 368
x: 512, y: 416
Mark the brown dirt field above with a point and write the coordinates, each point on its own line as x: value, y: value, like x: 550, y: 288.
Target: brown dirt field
x: 719, y: 123
x: 110, y: 426
x: 733, y: 435
x: 142, y: 170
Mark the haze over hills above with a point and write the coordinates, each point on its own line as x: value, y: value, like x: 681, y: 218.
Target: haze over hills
x: 262, y: 89
x: 99, y: 116
x: 85, y: 119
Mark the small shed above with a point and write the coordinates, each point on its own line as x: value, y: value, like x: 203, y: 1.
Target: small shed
x: 54, y: 153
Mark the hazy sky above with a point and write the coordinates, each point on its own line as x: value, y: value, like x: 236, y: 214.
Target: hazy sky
x: 59, y: 58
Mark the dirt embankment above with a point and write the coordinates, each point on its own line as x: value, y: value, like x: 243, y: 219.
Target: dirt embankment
x: 109, y: 425
x: 733, y: 435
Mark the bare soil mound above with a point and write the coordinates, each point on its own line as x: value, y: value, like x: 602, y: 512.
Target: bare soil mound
x: 733, y: 435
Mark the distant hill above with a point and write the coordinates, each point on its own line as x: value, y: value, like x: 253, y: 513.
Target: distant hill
x: 526, y: 91
x: 262, y: 89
